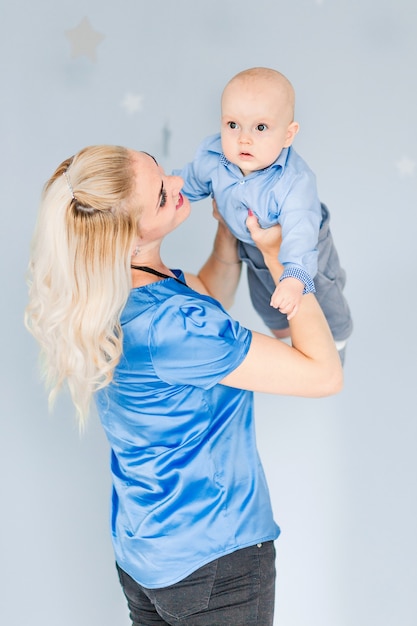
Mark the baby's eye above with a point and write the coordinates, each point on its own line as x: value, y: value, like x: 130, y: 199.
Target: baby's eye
x: 232, y: 125
x: 261, y: 127
x: 163, y: 198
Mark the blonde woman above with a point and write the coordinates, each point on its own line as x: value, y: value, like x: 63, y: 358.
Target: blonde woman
x: 172, y: 375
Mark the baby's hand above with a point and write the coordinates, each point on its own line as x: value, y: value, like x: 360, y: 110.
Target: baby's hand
x: 287, y: 296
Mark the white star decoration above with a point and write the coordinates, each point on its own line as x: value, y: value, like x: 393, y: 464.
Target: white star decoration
x: 84, y: 40
x: 406, y: 166
x: 132, y: 103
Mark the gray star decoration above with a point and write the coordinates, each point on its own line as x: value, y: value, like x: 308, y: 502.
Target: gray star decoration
x: 166, y: 136
x: 84, y: 40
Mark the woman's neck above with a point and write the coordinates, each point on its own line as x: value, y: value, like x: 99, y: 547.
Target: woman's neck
x: 148, y: 255
x: 141, y: 278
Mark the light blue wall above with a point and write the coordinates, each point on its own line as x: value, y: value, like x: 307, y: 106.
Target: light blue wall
x: 342, y: 470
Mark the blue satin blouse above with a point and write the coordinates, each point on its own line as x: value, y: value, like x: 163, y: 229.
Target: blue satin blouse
x: 188, y: 485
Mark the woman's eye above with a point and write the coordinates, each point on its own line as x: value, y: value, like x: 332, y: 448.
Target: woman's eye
x: 261, y: 127
x: 163, y: 198
x: 232, y: 125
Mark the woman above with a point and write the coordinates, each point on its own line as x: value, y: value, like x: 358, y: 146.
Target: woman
x: 172, y: 375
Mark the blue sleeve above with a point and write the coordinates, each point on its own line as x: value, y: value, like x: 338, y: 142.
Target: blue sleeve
x: 300, y: 219
x: 193, y: 341
x: 197, y: 175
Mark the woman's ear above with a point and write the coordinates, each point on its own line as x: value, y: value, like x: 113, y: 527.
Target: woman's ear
x: 292, y: 130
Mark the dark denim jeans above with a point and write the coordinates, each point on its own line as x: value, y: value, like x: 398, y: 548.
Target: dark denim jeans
x: 236, y: 590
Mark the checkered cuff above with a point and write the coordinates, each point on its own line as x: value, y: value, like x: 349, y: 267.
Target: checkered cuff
x: 293, y: 271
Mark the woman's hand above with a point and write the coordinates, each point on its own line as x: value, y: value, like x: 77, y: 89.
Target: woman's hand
x: 219, y: 276
x: 268, y: 241
x: 225, y: 245
x: 216, y: 213
x: 219, y: 218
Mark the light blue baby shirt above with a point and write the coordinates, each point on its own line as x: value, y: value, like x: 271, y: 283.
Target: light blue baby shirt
x: 285, y: 193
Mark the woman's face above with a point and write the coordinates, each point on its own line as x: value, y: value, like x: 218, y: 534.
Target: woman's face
x: 163, y: 207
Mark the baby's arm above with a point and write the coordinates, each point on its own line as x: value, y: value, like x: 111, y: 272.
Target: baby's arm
x: 196, y: 185
x: 300, y: 220
x: 197, y: 174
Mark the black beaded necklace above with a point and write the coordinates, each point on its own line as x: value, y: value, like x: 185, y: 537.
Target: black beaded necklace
x: 150, y: 270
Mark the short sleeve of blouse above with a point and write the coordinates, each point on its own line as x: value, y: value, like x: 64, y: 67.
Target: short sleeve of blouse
x: 193, y: 341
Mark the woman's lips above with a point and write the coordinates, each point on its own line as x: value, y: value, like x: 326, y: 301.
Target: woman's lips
x: 180, y: 201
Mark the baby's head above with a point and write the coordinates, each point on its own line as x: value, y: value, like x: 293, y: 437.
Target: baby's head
x: 257, y: 118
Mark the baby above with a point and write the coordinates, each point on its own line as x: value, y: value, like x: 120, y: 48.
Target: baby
x: 251, y: 167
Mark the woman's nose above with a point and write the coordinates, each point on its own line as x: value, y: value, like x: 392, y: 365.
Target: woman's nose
x: 178, y: 181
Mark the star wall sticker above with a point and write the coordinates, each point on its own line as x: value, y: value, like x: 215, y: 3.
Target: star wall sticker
x: 166, y: 136
x: 406, y: 167
x: 132, y: 103
x: 84, y: 40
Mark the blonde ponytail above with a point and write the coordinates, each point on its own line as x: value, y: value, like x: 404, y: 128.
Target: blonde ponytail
x: 79, y: 271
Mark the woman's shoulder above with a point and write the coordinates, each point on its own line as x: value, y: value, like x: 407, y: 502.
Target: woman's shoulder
x: 168, y: 297
x: 176, y: 310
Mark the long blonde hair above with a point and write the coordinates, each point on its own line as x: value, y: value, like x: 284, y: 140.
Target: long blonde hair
x: 79, y: 271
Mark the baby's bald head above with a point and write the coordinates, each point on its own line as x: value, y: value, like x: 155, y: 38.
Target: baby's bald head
x: 264, y: 80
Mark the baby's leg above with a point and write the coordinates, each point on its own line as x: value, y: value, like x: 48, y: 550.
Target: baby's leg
x: 329, y: 282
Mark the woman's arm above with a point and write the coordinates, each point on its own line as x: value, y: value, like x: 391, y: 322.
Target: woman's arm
x: 312, y: 366
x: 219, y: 276
x: 268, y: 240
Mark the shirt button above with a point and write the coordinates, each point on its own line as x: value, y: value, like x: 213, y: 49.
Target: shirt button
x: 242, y: 182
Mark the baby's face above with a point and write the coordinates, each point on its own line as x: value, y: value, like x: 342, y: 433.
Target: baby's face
x: 256, y: 124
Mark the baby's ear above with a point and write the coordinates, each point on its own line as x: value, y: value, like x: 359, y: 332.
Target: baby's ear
x: 292, y: 130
